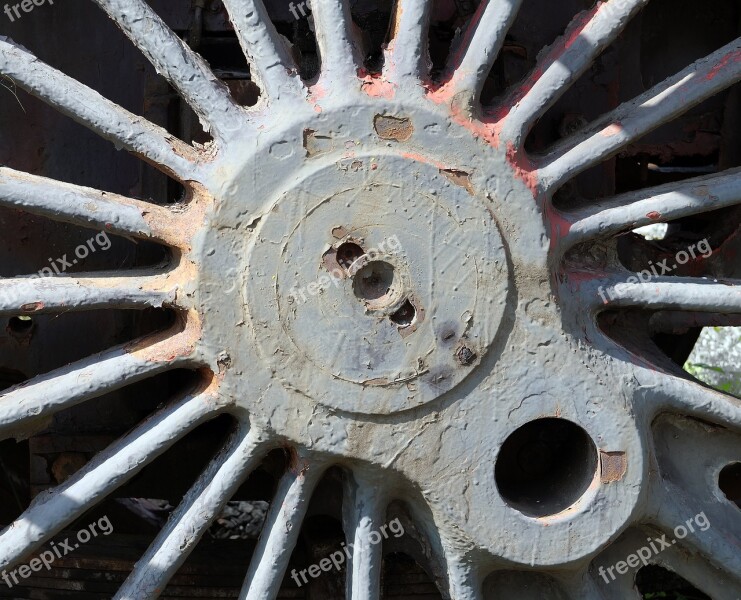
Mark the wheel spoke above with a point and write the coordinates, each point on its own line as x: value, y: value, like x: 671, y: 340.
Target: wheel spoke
x: 699, y: 572
x: 471, y: 63
x: 280, y: 532
x: 183, y: 68
x: 407, y: 55
x: 104, y: 117
x: 662, y: 392
x: 364, y: 511
x: 63, y: 293
x: 87, y: 207
x: 667, y: 293
x: 90, y: 378
x: 50, y: 512
x: 586, y: 37
x: 271, y: 64
x: 632, y: 120
x: 337, y: 46
x: 464, y: 580
x: 720, y: 543
x: 586, y: 586
x: 667, y: 202
x: 198, y: 509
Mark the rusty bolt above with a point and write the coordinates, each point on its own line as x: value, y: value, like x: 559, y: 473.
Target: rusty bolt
x: 465, y: 356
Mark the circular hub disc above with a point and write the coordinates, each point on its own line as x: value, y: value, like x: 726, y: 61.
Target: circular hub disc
x: 382, y: 294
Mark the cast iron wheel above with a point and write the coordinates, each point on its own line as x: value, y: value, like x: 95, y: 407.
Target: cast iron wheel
x: 371, y: 271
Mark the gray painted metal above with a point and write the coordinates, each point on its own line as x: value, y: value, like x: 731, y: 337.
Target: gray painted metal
x: 482, y: 255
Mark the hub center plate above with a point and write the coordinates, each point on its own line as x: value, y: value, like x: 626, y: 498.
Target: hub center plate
x: 377, y: 284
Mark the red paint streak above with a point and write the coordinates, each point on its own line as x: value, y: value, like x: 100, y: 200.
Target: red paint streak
x: 611, y: 130
x: 460, y: 53
x: 376, y: 86
x: 558, y: 224
x: 424, y: 159
x: 733, y: 56
x: 573, y: 32
x: 578, y: 24
x: 317, y: 92
x: 523, y: 168
x: 653, y: 215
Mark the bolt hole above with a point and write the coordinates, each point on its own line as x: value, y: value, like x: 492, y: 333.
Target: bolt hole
x: 20, y: 325
x: 729, y: 482
x: 405, y: 315
x: 545, y: 466
x: 348, y: 253
x: 373, y: 281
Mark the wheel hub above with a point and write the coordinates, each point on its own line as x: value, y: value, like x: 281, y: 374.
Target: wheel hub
x: 379, y: 296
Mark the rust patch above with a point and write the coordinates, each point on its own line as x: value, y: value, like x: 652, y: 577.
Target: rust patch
x: 397, y: 129
x: 460, y: 178
x: 613, y: 466
x: 339, y: 232
x: 653, y: 215
x: 32, y: 307
x: 316, y: 144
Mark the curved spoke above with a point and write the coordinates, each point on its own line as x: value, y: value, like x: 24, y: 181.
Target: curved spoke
x: 464, y: 580
x: 665, y: 203
x: 337, y: 46
x: 680, y: 293
x: 271, y: 64
x: 407, y: 55
x: 471, y: 64
x: 587, y: 586
x: 90, y: 378
x: 198, y: 509
x: 280, y: 532
x: 663, y: 392
x: 51, y: 511
x: 632, y: 120
x: 719, y: 543
x: 104, y: 117
x: 364, y: 511
x: 88, y: 207
x: 698, y: 572
x: 586, y: 37
x: 66, y: 293
x: 172, y: 58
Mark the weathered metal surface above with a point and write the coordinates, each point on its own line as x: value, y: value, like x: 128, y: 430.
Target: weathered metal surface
x: 470, y: 312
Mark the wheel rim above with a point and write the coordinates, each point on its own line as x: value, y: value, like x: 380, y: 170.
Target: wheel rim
x: 432, y: 387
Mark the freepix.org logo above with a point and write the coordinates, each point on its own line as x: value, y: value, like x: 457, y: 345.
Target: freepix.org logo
x: 16, y: 11
x: 57, y: 550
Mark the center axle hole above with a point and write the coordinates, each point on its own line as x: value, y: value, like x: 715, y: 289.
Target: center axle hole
x: 374, y: 281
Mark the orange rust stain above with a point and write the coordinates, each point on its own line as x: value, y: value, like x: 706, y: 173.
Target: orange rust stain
x: 460, y: 178
x: 166, y: 346
x: 389, y: 127
x: 32, y: 307
x: 654, y: 215
x: 613, y: 466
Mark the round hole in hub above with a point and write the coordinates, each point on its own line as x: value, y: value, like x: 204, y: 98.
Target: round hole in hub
x: 20, y: 325
x: 373, y: 281
x: 405, y: 315
x: 545, y: 466
x: 348, y: 253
